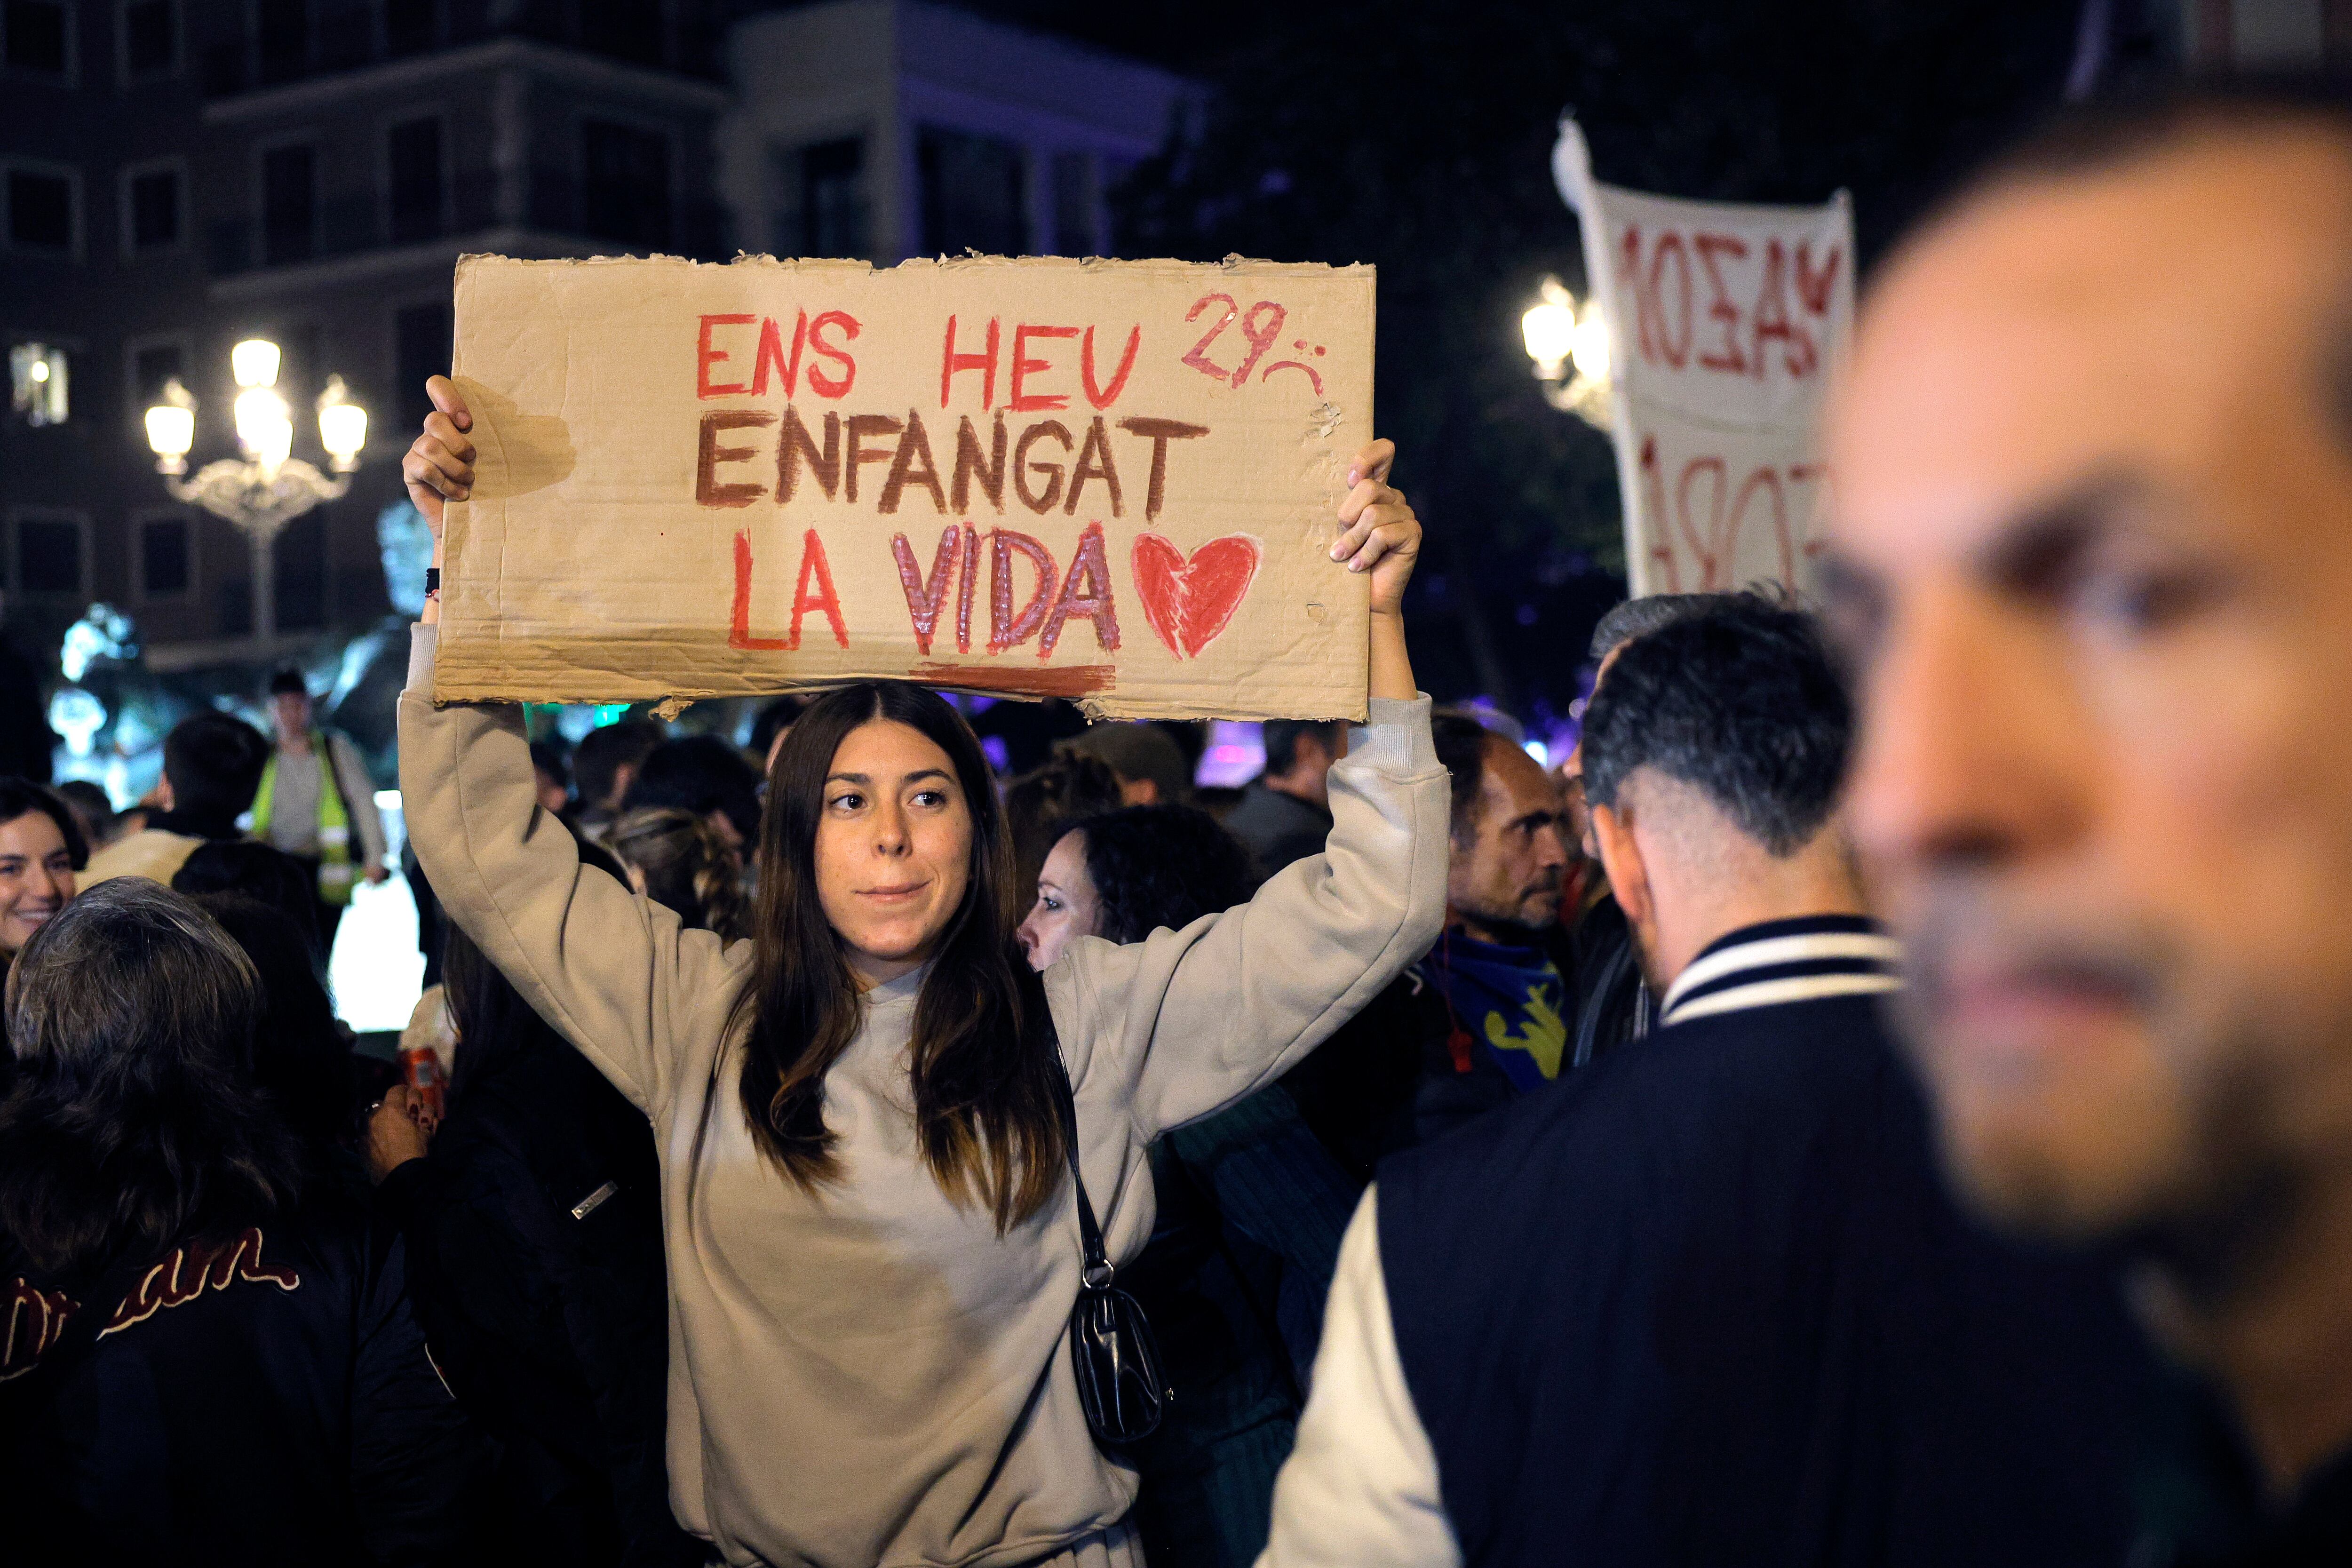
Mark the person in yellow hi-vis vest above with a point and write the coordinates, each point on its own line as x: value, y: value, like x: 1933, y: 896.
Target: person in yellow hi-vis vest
x: 321, y: 815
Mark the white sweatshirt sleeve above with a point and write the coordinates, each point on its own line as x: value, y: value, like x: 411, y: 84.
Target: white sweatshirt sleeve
x: 1359, y: 1489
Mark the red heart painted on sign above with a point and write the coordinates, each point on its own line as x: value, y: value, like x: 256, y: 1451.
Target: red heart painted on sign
x: 1188, y: 601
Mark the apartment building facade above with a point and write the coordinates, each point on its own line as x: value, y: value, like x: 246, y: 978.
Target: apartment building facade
x: 177, y: 175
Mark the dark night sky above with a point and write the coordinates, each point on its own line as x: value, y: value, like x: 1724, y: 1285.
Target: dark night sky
x: 1416, y: 135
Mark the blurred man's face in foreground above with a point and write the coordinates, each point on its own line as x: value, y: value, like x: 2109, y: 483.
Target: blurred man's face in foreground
x: 2094, y: 566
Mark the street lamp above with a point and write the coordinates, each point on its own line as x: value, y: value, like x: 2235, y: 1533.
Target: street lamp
x: 1560, y: 335
x: 268, y: 488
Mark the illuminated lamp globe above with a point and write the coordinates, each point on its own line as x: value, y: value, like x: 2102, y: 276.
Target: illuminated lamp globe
x: 1548, y: 330
x: 254, y: 363
x: 342, y: 426
x: 170, y: 430
x: 262, y: 426
x: 1588, y: 346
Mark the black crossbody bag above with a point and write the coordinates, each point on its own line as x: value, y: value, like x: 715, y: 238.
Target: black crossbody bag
x: 1111, y: 1349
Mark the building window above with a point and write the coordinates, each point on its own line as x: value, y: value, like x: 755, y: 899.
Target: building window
x: 289, y: 205
x: 152, y: 214
x: 412, y: 160
x: 976, y: 193
x: 420, y: 339
x: 821, y: 200
x: 625, y: 191
x: 151, y: 38
x: 37, y: 378
x: 411, y: 27
x: 37, y: 36
x: 44, y: 209
x: 1074, y: 204
x: 49, y: 553
x: 154, y: 364
x: 622, y: 29
x: 283, y: 28
x: 166, y: 558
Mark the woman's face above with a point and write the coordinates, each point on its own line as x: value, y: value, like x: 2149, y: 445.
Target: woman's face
x: 1068, y: 905
x: 892, y: 847
x: 35, y: 878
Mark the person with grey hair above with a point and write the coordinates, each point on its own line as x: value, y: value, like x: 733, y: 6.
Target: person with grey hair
x: 199, y: 1361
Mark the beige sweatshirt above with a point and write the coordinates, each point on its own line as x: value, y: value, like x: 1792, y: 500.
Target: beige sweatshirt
x: 871, y: 1375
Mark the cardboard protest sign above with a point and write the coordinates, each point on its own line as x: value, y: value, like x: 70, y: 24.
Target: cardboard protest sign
x: 1110, y: 481
x: 1724, y: 321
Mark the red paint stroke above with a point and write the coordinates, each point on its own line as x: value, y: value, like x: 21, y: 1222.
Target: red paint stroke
x: 812, y: 564
x: 739, y: 629
x: 925, y: 600
x: 1006, y: 629
x: 1197, y: 356
x: 1069, y: 682
x: 1085, y: 593
x: 1189, y: 600
x: 812, y: 561
x: 964, y: 588
x: 1293, y: 364
x: 1095, y: 394
x: 1260, y: 330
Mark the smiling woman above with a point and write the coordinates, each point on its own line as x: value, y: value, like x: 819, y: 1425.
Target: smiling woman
x: 873, y: 1240
x: 41, y: 848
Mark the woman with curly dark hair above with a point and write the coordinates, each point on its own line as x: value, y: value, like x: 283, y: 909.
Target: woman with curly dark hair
x: 1251, y: 1209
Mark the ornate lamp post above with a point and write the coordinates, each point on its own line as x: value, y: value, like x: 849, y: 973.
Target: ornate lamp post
x: 1559, y: 334
x: 268, y: 488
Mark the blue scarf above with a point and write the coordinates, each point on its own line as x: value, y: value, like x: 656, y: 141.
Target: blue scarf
x: 1509, y: 1001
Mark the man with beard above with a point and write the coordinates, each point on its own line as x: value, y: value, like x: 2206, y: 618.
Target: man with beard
x: 1484, y: 1017
x: 1707, y: 1303
x: 2092, y: 551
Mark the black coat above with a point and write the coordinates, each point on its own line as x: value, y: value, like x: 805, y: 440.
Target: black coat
x: 1708, y: 1302
x: 1390, y: 1078
x: 266, y: 1399
x: 547, y: 1303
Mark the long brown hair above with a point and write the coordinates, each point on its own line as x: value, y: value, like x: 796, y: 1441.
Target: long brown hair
x: 987, y: 1113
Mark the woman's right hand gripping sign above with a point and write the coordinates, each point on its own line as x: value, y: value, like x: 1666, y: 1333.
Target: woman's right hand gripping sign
x: 1382, y: 538
x: 439, y: 467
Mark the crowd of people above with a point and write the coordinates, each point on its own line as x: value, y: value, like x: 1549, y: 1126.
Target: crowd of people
x: 1885, y: 1098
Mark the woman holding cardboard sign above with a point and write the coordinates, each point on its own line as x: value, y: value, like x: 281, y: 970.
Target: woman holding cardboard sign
x: 874, y: 1235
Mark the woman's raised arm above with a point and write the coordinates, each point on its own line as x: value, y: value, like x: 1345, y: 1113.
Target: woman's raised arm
x: 1199, y: 1017
x: 612, y: 972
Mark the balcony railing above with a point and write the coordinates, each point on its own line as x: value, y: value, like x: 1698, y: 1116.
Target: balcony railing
x: 349, y: 223
x: 342, y: 36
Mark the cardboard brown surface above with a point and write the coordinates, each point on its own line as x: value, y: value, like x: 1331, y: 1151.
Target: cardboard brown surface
x: 701, y: 480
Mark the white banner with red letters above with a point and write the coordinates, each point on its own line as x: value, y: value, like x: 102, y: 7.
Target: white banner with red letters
x: 1724, y: 320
